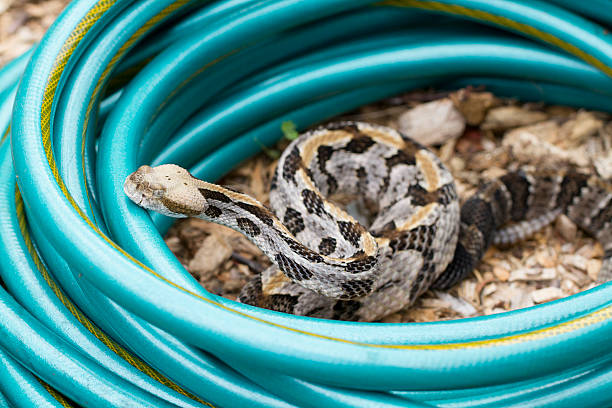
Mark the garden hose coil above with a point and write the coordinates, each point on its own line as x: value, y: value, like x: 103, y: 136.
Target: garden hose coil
x: 97, y: 312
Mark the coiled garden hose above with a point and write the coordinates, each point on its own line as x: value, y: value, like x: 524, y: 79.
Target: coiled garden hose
x: 97, y: 312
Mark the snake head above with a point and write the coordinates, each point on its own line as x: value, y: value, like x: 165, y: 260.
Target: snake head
x: 167, y: 189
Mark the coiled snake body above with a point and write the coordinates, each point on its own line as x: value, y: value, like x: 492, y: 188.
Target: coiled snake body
x: 326, y: 264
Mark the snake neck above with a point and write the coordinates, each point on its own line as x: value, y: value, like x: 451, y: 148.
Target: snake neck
x: 340, y: 278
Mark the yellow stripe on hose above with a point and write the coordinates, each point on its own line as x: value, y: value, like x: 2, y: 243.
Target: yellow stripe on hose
x: 94, y: 96
x: 53, y: 80
x: 103, y: 5
x: 59, y: 397
x: 5, y: 134
x: 89, y: 325
x: 505, y: 22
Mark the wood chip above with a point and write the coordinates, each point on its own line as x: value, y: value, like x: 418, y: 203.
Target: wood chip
x: 546, y: 294
x: 528, y: 147
x: 212, y: 254
x: 556, y: 262
x: 566, y: 228
x: 432, y: 123
x: 457, y: 304
x: 501, y: 273
x: 575, y: 260
x: 507, y: 117
x: 520, y: 297
x: 546, y: 258
x: 593, y: 268
x: 473, y: 105
x: 603, y: 166
x: 575, y: 131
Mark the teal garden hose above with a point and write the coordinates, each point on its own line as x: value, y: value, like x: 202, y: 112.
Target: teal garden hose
x: 96, y: 311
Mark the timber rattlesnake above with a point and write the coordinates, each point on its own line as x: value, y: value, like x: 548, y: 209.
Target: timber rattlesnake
x: 326, y: 264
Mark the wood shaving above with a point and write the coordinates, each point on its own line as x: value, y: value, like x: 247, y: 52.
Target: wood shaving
x: 556, y: 262
x: 473, y: 105
x: 506, y: 117
x: 432, y: 123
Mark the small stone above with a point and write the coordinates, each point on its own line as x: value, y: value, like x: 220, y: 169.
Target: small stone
x: 432, y: 123
x: 546, y: 294
x: 507, y: 117
x: 547, y: 131
x: 566, y: 228
x: 487, y: 276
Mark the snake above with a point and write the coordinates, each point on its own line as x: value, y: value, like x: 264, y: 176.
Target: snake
x: 410, y: 235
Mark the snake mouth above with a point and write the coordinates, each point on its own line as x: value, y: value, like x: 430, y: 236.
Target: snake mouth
x: 132, y: 191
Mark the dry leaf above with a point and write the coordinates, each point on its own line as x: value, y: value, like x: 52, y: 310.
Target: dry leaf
x: 432, y: 123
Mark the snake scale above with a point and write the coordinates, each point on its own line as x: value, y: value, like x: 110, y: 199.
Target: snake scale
x: 327, y: 264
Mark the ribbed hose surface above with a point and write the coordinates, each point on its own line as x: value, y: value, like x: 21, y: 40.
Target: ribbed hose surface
x: 96, y: 311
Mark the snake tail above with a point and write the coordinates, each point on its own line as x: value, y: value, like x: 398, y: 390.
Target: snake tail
x: 513, y: 207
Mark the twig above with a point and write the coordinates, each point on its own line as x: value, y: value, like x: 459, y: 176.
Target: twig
x: 254, y: 266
